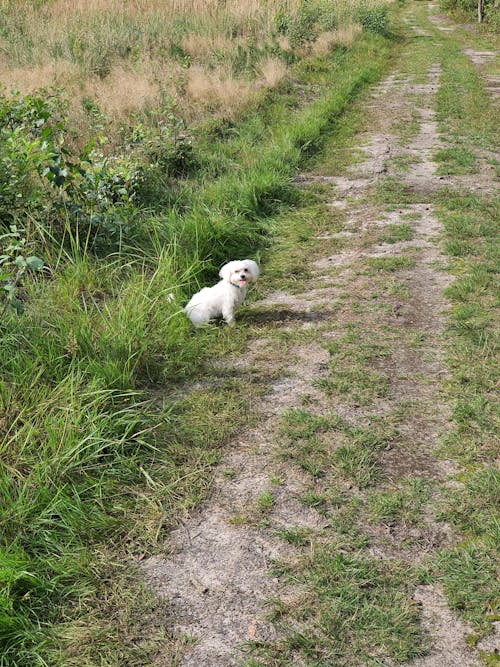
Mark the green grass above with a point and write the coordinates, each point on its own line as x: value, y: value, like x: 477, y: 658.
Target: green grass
x: 103, y: 445
x: 358, y: 384
x: 390, y: 264
x: 473, y: 507
x: 401, y: 505
x: 96, y: 448
x: 326, y: 447
x: 469, y: 576
x: 299, y: 537
x: 456, y: 161
x: 465, y: 107
x: 300, y: 424
x: 265, y: 501
x: 355, y: 609
x: 394, y: 233
x: 296, y: 240
x: 350, y: 373
x: 394, y: 193
x: 472, y: 220
x: 468, y: 572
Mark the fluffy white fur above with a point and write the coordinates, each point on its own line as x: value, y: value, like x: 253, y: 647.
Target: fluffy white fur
x: 223, y: 299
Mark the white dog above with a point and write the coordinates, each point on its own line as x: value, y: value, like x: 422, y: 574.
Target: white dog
x: 223, y: 299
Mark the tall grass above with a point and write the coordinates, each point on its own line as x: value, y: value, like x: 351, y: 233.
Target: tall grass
x: 467, y: 10
x: 133, y: 56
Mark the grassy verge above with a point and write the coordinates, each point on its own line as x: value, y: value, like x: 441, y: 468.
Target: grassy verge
x: 98, y: 453
x: 469, y: 572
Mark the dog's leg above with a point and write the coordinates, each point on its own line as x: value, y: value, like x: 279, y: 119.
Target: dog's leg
x: 228, y: 315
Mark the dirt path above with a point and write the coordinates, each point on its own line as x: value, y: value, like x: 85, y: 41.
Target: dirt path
x: 377, y: 285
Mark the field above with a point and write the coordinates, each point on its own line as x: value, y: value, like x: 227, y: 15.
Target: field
x: 142, y: 145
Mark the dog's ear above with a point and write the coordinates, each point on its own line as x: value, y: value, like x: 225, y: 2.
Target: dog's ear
x: 225, y: 272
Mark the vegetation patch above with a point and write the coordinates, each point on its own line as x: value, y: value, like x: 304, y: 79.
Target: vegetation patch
x: 355, y: 609
x: 390, y: 264
x: 456, y: 161
x: 394, y: 233
x: 469, y: 575
x: 394, y: 193
x: 402, y: 505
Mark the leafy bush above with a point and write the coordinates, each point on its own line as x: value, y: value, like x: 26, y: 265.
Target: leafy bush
x: 312, y: 18
x: 13, y: 265
x: 469, y: 8
x: 28, y: 130
x: 170, y: 145
x: 92, y: 198
x: 374, y: 19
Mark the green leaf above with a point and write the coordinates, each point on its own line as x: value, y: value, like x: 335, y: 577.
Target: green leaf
x: 18, y: 306
x: 34, y: 263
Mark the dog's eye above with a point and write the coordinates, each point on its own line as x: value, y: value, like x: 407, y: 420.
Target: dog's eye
x: 245, y: 270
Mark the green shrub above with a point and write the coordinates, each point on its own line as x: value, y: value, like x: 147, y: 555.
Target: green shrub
x: 313, y: 17
x: 469, y: 8
x: 92, y: 199
x: 374, y: 19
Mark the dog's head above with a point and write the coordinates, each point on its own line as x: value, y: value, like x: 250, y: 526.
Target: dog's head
x: 240, y: 273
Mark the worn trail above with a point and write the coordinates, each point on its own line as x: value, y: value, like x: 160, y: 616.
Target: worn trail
x: 376, y: 285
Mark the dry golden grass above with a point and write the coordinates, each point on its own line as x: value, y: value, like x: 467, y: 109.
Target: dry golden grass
x: 284, y: 43
x: 344, y: 36
x: 272, y: 71
x: 126, y: 55
x: 244, y: 12
x: 122, y: 92
x: 348, y: 33
x: 200, y: 47
x: 59, y: 74
x: 324, y: 42
x: 217, y: 91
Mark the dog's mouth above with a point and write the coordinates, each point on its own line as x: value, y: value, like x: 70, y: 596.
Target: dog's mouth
x: 241, y: 281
